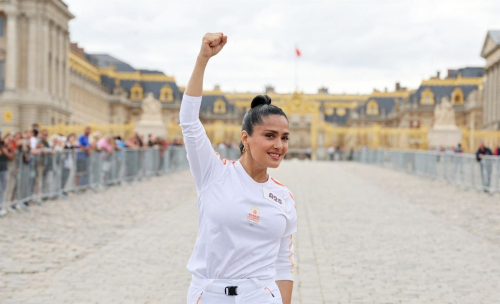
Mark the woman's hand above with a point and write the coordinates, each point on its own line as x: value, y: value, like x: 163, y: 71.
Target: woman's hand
x: 212, y: 44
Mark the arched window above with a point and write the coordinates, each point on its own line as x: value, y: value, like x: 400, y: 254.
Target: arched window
x: 427, y: 97
x: 166, y: 94
x: 340, y: 112
x: 457, y: 97
x: 329, y: 111
x: 372, y: 108
x: 136, y: 92
x: 219, y: 106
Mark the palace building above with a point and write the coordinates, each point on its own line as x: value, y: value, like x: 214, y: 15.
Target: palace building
x: 46, y: 79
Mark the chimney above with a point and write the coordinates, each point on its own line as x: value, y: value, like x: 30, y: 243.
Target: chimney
x: 438, y: 75
x: 398, y: 86
x: 216, y: 87
x: 323, y: 90
x: 385, y: 89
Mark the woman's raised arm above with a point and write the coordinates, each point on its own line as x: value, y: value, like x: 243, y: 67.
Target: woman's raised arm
x: 205, y: 164
x: 212, y: 44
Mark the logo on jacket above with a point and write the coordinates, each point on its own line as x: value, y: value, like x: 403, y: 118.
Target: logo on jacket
x: 253, y: 217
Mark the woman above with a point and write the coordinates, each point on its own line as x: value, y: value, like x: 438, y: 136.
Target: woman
x: 244, y: 249
x: 6, y: 156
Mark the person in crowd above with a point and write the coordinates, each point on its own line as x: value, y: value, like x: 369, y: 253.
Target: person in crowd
x: 34, y: 140
x: 82, y: 158
x: 70, y: 145
x: 485, y: 165
x: 331, y: 152
x: 6, y: 155
x: 497, y: 150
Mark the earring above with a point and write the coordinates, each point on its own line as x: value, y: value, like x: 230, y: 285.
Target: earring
x: 244, y: 149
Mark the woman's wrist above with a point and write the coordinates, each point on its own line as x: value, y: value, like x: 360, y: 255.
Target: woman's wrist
x: 202, y: 60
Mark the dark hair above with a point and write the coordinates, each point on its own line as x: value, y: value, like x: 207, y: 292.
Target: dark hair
x: 261, y: 107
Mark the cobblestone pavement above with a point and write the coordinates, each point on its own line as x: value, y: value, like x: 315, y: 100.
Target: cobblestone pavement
x: 366, y: 235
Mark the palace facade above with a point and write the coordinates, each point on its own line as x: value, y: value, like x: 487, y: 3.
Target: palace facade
x: 47, y: 79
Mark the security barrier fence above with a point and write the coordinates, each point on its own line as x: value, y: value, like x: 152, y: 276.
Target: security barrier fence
x: 54, y: 174
x: 460, y: 169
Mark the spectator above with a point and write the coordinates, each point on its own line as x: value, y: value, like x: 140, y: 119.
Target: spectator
x: 82, y: 158
x: 69, y: 146
x: 331, y: 152
x: 6, y: 155
x: 34, y: 139
x: 459, y: 149
x: 44, y: 164
x: 497, y: 151
x: 485, y: 164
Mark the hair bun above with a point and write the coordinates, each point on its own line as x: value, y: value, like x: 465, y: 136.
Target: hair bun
x: 260, y: 100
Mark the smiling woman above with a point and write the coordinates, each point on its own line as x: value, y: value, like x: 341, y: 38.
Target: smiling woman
x: 244, y: 249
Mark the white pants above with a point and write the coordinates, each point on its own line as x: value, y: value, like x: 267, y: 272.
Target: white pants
x: 202, y: 291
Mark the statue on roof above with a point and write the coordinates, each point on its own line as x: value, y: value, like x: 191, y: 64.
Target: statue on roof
x: 444, y: 115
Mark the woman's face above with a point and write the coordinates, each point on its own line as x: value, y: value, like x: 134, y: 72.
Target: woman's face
x: 269, y: 141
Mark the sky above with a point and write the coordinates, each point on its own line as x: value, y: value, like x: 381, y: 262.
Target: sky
x: 348, y: 46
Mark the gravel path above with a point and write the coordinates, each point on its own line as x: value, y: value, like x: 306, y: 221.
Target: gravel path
x: 366, y: 235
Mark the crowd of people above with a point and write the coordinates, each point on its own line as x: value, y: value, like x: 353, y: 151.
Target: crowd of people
x: 35, y: 147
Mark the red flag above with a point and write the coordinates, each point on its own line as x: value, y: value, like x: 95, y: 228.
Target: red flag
x: 297, y: 51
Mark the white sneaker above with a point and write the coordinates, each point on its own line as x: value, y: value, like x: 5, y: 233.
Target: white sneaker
x: 2, y: 212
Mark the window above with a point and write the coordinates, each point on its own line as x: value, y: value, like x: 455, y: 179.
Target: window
x: 166, y: 94
x: 219, y: 106
x: 457, y: 97
x: 136, y: 92
x: 427, y: 97
x: 372, y: 108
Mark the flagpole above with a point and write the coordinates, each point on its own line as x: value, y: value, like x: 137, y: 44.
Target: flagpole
x: 296, y: 73
x: 296, y: 69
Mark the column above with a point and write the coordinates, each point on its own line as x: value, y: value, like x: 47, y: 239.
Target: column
x: 45, y: 55
x: 12, y: 50
x: 62, y: 59
x: 493, y: 96
x: 53, y: 68
x: 67, y: 71
x: 32, y: 48
x: 497, y: 92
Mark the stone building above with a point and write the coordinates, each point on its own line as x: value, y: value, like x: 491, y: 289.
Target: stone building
x: 491, y: 52
x: 404, y: 108
x: 34, y: 63
x: 45, y: 79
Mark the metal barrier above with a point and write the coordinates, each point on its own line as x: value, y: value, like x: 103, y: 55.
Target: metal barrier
x: 462, y: 170
x: 53, y: 174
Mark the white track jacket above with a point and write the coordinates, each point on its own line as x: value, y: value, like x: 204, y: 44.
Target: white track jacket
x: 245, y: 227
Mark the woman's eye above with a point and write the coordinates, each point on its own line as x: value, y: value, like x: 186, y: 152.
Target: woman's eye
x: 270, y: 135
x: 285, y: 138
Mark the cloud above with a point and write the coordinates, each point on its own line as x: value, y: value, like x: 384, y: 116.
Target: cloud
x: 350, y: 46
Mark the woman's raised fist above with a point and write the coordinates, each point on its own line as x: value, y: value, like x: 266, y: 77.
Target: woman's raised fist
x: 212, y: 44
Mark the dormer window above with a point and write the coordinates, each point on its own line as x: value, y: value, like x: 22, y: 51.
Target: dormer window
x: 166, y: 94
x: 457, y: 96
x: 219, y: 106
x: 136, y: 92
x: 427, y: 97
x: 372, y: 108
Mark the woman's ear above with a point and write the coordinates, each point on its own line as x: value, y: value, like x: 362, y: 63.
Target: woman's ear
x: 244, y: 137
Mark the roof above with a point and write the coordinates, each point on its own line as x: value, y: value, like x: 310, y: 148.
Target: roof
x: 385, y: 105
x: 209, y: 100
x: 495, y: 35
x: 105, y: 60
x: 440, y: 92
x: 468, y: 72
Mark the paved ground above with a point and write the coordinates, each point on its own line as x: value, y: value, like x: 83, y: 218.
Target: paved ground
x: 366, y: 235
